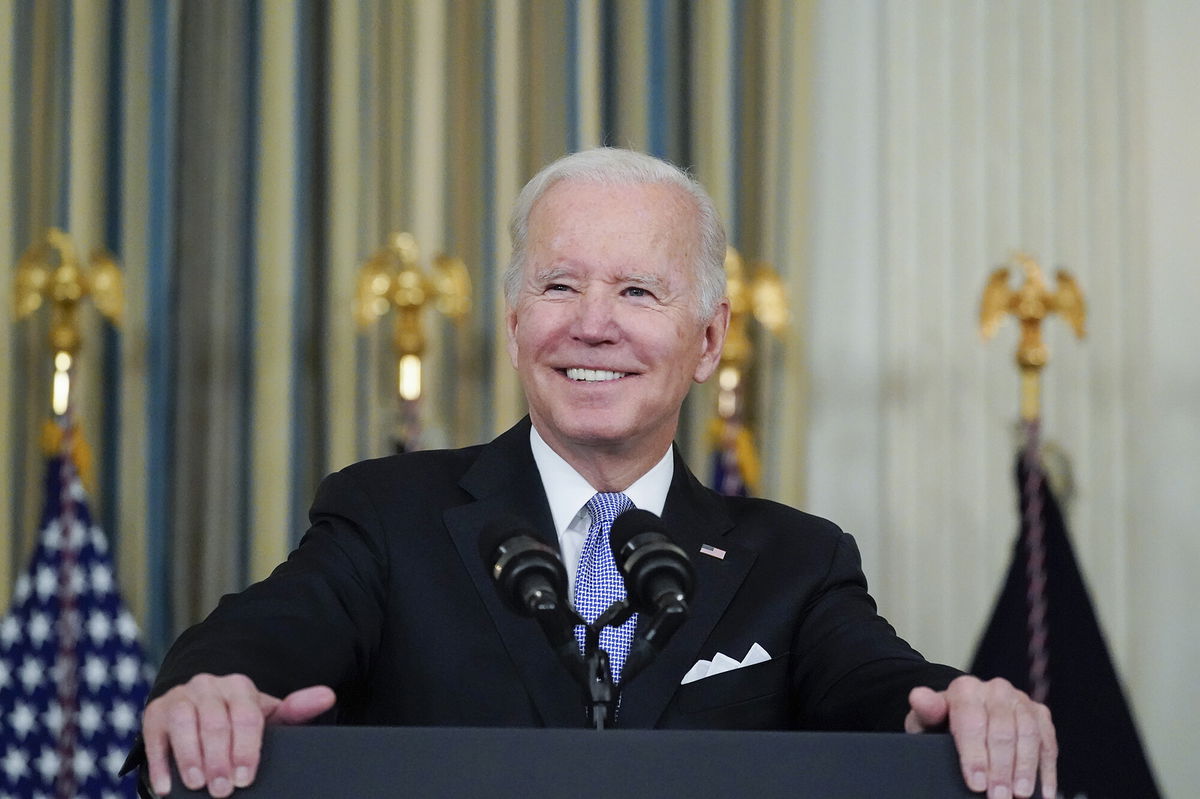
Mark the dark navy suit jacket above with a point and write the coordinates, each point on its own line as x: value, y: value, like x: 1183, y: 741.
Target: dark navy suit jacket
x: 387, y: 601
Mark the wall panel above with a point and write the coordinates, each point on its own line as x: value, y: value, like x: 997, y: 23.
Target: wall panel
x: 949, y: 135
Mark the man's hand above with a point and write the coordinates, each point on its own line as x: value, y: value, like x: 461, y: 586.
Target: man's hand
x: 214, y: 727
x: 1004, y: 738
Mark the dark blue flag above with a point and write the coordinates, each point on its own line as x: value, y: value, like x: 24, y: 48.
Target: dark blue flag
x: 73, y: 677
x: 1044, y: 638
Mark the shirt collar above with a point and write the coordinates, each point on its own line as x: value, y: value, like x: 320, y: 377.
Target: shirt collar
x: 567, y: 490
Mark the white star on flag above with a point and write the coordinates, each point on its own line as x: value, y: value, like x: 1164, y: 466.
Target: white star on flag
x: 48, y: 764
x: 53, y: 718
x: 126, y: 627
x: 15, y: 764
x: 95, y: 672
x: 47, y: 582
x: 89, y: 719
x: 31, y: 674
x: 10, y: 631
x: 84, y: 764
x: 101, y: 579
x: 39, y: 628
x: 128, y: 671
x: 21, y: 719
x: 123, y: 718
x: 99, y: 625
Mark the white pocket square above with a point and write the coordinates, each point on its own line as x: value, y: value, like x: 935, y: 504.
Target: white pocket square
x: 722, y: 663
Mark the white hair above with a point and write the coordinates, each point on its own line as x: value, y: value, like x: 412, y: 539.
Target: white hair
x: 611, y: 166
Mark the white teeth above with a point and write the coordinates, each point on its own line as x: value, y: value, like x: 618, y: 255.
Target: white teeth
x: 594, y: 375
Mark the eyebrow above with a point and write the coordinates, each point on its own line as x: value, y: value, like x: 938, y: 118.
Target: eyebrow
x: 645, y: 280
x: 551, y: 274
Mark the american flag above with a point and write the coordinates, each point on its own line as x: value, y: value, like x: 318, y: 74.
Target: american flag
x: 734, y: 458
x: 73, y: 677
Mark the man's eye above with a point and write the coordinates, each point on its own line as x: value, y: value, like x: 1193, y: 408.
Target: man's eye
x: 636, y: 291
x: 558, y: 287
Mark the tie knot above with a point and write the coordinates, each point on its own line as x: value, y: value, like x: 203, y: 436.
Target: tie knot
x: 605, y: 508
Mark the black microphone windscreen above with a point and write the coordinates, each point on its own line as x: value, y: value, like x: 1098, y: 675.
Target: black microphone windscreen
x: 497, y: 532
x: 632, y: 523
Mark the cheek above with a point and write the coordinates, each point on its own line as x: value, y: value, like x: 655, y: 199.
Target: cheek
x: 534, y: 335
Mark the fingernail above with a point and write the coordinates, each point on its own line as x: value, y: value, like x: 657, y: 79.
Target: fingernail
x: 978, y: 781
x: 194, y: 778
x: 1023, y: 787
x: 221, y: 786
x: 1000, y: 792
x: 162, y: 786
x: 241, y: 776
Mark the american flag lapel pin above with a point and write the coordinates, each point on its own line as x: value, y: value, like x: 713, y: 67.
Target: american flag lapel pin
x: 712, y: 552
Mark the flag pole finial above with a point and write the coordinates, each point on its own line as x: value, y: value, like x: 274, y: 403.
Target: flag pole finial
x: 392, y: 279
x: 1032, y: 302
x: 51, y: 273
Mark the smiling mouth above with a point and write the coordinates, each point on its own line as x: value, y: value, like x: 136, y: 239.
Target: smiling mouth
x: 593, y: 375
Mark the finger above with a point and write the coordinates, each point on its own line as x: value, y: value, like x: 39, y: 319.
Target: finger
x: 1049, y: 754
x: 1001, y: 743
x: 183, y: 739
x: 929, y: 710
x: 212, y: 713
x: 1029, y: 747
x: 246, y: 726
x: 969, y: 727
x: 154, y: 740
x: 302, y: 706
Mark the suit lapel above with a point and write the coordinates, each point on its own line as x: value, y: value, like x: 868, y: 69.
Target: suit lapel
x: 505, y: 481
x: 693, y: 516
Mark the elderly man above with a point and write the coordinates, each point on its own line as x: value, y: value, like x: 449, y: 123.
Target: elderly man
x: 385, y: 614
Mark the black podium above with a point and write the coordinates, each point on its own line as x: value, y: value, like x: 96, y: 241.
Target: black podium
x: 502, y: 763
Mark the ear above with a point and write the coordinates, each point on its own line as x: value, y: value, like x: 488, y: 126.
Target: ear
x: 510, y: 331
x: 713, y: 342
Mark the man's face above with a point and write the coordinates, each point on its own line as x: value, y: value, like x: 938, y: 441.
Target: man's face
x: 606, y: 335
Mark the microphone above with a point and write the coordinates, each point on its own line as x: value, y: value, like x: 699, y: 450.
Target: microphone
x: 528, y: 574
x: 658, y: 574
x: 531, y: 580
x: 658, y: 581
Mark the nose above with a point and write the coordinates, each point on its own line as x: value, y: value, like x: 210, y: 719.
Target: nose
x: 595, y: 320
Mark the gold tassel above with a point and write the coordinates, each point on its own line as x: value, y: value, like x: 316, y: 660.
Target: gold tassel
x: 80, y: 453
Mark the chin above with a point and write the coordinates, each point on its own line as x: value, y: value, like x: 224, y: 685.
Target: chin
x: 592, y: 436
x: 599, y: 433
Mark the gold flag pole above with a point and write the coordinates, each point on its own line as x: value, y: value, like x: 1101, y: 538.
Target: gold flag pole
x: 759, y: 296
x: 1030, y: 304
x: 50, y: 273
x: 392, y: 279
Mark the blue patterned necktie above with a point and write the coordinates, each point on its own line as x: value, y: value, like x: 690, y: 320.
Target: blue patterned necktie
x: 598, y: 582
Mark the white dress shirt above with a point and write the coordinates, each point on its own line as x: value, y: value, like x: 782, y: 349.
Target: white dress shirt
x: 568, y: 493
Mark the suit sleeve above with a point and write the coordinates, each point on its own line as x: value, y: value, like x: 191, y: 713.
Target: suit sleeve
x: 314, y: 621
x: 852, y: 670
